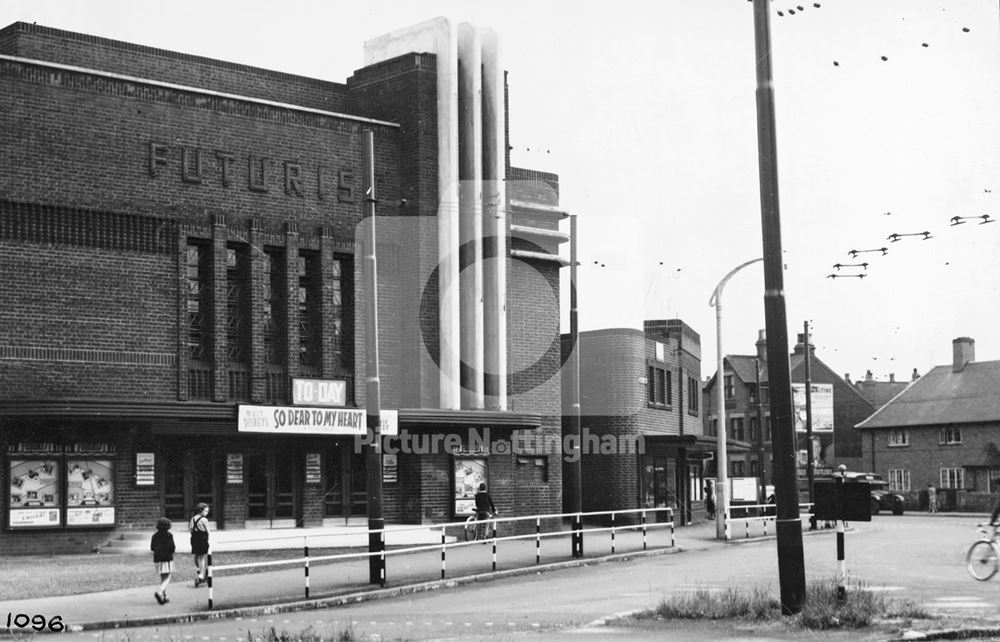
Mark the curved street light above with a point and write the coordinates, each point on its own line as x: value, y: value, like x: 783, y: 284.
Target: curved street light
x: 722, y: 463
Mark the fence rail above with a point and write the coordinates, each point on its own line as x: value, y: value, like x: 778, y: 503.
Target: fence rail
x: 765, y: 513
x: 577, y: 530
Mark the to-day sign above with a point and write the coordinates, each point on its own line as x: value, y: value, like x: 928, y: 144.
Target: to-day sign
x: 319, y: 392
x: 301, y: 420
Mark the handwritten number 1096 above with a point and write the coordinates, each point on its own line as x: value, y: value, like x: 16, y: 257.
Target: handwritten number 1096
x: 36, y: 622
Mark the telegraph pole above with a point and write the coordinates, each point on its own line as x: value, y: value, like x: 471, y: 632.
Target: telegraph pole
x: 573, y: 474
x: 788, y: 528
x: 760, y: 434
x: 373, y: 456
x: 810, y: 457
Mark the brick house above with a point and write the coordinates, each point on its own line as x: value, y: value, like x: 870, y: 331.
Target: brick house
x: 185, y: 307
x: 639, y: 397
x: 745, y: 414
x: 943, y: 429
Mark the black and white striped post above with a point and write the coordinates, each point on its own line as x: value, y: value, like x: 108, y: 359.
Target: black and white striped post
x: 444, y: 546
x: 305, y: 552
x: 841, y: 564
x: 208, y: 578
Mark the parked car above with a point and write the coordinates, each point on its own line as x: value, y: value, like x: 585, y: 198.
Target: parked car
x: 881, y: 497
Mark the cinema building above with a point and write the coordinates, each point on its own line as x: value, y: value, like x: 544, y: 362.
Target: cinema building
x: 184, y: 313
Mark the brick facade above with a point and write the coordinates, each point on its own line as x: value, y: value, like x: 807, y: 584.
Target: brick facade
x: 633, y: 435
x: 122, y: 157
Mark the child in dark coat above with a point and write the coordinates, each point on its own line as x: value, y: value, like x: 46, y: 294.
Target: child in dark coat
x: 163, y: 548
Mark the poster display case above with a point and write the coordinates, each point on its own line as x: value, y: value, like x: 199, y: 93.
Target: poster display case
x: 34, y: 493
x: 56, y: 486
x: 469, y: 473
x: 90, y: 492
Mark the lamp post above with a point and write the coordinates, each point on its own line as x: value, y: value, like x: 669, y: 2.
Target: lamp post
x: 722, y: 474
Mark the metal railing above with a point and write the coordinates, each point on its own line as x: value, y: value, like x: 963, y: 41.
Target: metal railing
x: 305, y: 560
x: 767, y: 513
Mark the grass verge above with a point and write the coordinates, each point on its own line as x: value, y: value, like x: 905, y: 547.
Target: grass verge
x: 31, y: 576
x: 822, y: 608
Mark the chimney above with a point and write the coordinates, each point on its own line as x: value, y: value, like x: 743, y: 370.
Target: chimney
x: 868, y: 376
x: 964, y: 352
x: 802, y: 340
x: 892, y: 377
x: 847, y: 377
x: 915, y: 375
x: 762, y: 346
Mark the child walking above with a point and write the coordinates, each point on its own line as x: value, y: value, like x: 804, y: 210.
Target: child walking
x: 163, y: 548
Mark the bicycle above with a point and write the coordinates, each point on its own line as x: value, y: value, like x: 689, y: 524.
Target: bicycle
x: 475, y: 529
x: 983, y: 559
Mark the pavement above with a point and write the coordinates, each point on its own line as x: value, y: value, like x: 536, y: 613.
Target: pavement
x: 415, y: 565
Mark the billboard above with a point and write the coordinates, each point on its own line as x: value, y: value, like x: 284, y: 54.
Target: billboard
x: 821, y: 444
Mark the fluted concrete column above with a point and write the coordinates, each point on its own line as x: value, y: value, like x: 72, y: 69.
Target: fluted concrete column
x: 494, y: 224
x: 470, y: 155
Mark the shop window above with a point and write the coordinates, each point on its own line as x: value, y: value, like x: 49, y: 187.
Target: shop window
x: 696, y: 482
x: 659, y: 482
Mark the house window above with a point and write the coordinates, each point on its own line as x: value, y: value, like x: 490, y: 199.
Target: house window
x: 950, y: 435
x: 738, y: 468
x: 899, y: 479
x: 899, y: 438
x: 713, y: 426
x: 730, y: 386
x: 736, y: 429
x: 693, y: 393
x: 658, y: 384
x: 753, y: 429
x: 952, y: 478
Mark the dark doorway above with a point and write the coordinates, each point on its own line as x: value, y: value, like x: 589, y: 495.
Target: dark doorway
x: 272, y: 492
x: 346, y: 482
x: 191, y: 475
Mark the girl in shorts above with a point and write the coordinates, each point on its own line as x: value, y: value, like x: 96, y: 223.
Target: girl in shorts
x: 163, y: 548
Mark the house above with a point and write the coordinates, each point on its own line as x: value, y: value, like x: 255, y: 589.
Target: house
x: 878, y: 393
x: 640, y: 418
x: 943, y: 429
x: 837, y: 407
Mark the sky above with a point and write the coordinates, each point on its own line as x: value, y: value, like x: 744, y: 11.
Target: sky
x: 887, y: 120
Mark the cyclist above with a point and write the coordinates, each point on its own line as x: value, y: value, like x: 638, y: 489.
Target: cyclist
x: 996, y: 504
x: 485, y: 508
